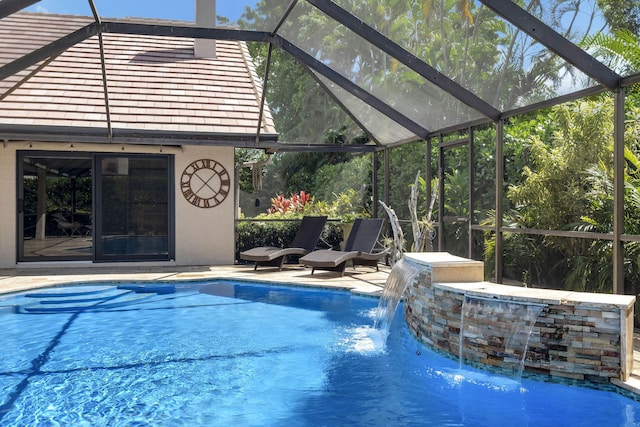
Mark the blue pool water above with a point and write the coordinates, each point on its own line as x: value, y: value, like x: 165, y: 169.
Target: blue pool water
x: 230, y: 353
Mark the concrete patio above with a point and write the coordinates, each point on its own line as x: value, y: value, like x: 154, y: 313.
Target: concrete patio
x: 364, y: 280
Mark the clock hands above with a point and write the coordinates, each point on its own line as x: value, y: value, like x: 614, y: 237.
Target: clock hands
x: 205, y: 183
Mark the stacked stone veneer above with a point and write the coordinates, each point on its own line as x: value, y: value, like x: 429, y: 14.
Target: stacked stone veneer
x: 582, y: 336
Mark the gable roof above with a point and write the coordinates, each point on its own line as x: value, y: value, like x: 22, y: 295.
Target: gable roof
x: 157, y: 89
x: 387, y: 68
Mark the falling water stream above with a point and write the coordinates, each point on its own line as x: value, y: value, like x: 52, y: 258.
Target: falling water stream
x: 402, y: 274
x: 497, y: 327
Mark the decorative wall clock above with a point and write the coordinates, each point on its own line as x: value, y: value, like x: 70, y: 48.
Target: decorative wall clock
x: 205, y: 183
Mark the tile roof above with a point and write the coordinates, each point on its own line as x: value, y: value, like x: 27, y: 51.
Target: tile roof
x: 154, y: 83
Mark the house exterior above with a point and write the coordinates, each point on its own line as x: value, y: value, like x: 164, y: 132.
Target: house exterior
x: 130, y: 163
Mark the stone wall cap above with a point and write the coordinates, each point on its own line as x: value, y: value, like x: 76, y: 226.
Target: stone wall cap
x: 440, y: 259
x: 463, y: 287
x: 586, y: 299
x: 539, y: 295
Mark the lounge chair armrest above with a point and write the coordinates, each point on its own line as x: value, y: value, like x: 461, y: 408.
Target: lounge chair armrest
x: 374, y: 255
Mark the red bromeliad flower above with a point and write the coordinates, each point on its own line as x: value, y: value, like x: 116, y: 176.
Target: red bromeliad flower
x: 296, y: 203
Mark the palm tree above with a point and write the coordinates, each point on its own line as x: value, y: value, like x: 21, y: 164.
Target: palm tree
x: 619, y: 50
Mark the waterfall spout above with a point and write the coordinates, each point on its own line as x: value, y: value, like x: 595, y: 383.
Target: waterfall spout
x: 402, y: 274
x: 498, y: 328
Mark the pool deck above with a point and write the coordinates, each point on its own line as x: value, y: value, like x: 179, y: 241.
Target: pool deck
x: 363, y: 280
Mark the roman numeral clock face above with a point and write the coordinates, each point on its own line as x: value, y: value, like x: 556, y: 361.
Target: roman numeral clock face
x: 205, y: 183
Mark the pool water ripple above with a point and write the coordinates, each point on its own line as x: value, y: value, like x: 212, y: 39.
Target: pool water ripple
x: 227, y: 353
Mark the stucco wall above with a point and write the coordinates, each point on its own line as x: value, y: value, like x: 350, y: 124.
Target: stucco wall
x: 203, y: 236
x: 7, y: 205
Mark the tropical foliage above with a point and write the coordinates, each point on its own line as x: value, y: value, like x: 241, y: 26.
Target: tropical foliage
x: 283, y: 205
x: 558, y: 162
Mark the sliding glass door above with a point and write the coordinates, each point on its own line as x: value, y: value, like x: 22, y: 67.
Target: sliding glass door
x: 54, y: 206
x: 100, y: 207
x: 134, y: 201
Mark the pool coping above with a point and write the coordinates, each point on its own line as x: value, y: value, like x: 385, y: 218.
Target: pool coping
x: 364, y: 280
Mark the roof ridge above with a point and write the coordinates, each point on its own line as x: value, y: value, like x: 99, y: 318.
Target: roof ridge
x: 126, y: 19
x: 258, y: 88
x: 61, y: 15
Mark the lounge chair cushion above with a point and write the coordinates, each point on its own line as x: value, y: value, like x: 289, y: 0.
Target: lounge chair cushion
x: 327, y: 258
x: 358, y: 249
x: 269, y: 253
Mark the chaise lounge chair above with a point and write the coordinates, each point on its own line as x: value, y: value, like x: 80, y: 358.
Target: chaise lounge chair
x: 358, y: 249
x: 304, y: 242
x: 67, y: 227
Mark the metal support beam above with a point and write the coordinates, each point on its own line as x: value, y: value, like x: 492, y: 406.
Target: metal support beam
x: 407, y: 58
x: 103, y: 66
x: 320, y: 148
x: 499, y: 255
x: 7, y: 7
x: 553, y: 41
x: 374, y: 184
x: 263, y: 98
x: 441, y: 242
x: 284, y: 17
x: 529, y: 108
x: 185, y: 32
x: 387, y: 179
x: 27, y: 77
x: 428, y: 199
x: 428, y: 173
x: 349, y: 86
x: 53, y: 48
x: 75, y: 134
x: 471, y: 185
x: 105, y: 87
x: 618, y: 195
x: 343, y: 106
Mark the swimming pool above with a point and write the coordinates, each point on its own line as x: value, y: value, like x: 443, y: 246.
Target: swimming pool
x: 245, y: 354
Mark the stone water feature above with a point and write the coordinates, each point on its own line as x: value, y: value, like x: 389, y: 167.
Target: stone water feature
x: 498, y: 329
x: 582, y: 336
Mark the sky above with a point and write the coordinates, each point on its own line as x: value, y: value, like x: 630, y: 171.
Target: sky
x: 183, y: 10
